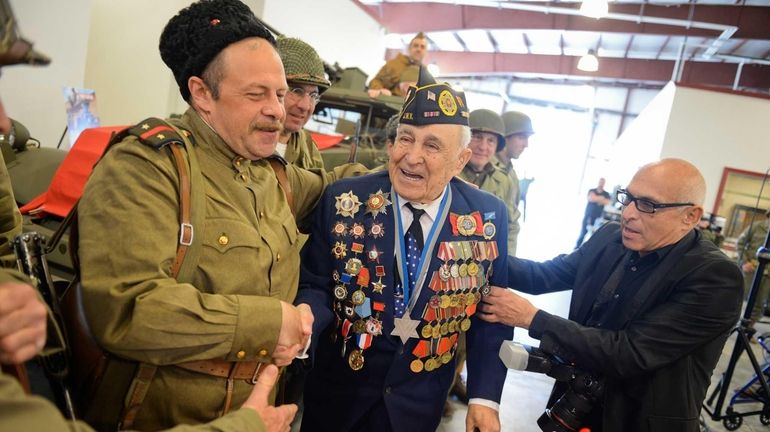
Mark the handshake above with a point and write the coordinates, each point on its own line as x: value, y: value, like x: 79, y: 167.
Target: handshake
x: 294, y: 337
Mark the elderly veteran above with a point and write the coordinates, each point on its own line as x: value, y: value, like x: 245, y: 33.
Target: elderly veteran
x: 206, y: 322
x: 396, y: 263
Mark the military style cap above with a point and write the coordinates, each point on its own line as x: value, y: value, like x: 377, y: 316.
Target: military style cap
x: 484, y: 120
x: 199, y: 32
x: 433, y: 103
x: 516, y: 122
x: 302, y: 63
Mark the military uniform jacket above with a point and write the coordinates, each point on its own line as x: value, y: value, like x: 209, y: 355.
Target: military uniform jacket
x: 496, y: 182
x: 336, y: 395
x: 751, y: 239
x: 513, y: 222
x: 248, y: 262
x: 302, y: 151
x: 389, y: 75
x: 10, y: 218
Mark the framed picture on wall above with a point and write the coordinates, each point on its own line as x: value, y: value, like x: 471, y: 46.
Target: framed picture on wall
x: 742, y: 217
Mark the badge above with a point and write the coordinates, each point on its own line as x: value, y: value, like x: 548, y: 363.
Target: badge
x: 443, y: 272
x: 378, y: 286
x: 353, y: 266
x: 374, y: 326
x: 416, y: 366
x: 473, y: 268
x: 374, y: 254
x: 485, y: 290
x: 356, y: 360
x: 336, y: 276
x: 447, y: 104
x: 357, y: 247
x: 339, y: 249
x: 357, y: 230
x: 378, y: 203
x: 489, y: 230
x: 350, y: 312
x: 340, y: 292
x: 347, y: 204
x: 358, y: 297
x: 434, y: 301
x: 377, y: 230
x: 339, y: 229
x: 466, y: 225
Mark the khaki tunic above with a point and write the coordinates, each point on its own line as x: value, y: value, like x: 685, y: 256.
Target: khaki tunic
x: 513, y: 221
x: 390, y: 74
x: 249, y: 262
x: 10, y: 218
x: 747, y: 246
x: 498, y: 184
x: 302, y: 151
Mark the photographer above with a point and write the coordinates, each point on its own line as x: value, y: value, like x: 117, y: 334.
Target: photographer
x: 652, y: 305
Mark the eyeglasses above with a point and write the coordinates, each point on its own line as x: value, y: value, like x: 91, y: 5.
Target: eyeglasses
x: 644, y: 205
x: 299, y: 93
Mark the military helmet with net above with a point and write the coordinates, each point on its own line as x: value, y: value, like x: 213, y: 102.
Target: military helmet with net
x: 302, y: 63
x: 517, y: 123
x: 484, y: 120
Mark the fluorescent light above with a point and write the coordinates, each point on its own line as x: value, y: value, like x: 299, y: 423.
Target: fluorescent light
x: 589, y: 62
x: 594, y: 8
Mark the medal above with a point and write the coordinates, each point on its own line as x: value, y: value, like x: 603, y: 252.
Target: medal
x: 357, y: 230
x: 374, y: 326
x: 452, y: 326
x: 378, y: 203
x: 416, y: 366
x: 339, y: 250
x: 434, y: 301
x: 336, y: 276
x: 427, y: 331
x: 377, y: 230
x: 466, y: 225
x: 339, y: 229
x: 340, y: 292
x: 473, y: 268
x: 358, y: 297
x: 378, y: 286
x: 444, y: 329
x: 445, y: 301
x: 374, y: 254
x: 353, y: 266
x: 347, y: 204
x: 454, y: 270
x: 463, y: 270
x: 356, y: 360
x: 454, y: 300
x: 446, y: 357
x: 443, y: 272
x: 489, y: 230
x: 465, y: 324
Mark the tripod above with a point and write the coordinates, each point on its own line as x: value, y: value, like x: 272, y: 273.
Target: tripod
x: 732, y: 419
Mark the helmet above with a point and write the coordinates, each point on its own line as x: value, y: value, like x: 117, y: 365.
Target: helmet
x: 302, y: 63
x: 484, y: 120
x: 516, y: 122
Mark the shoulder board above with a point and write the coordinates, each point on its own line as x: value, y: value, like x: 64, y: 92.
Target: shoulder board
x: 157, y: 133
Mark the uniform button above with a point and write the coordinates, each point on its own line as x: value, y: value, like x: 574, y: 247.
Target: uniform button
x: 616, y: 296
x: 387, y: 390
x: 241, y: 354
x: 278, y: 257
x: 263, y: 352
x: 223, y: 240
x: 261, y: 214
x: 633, y: 268
x: 243, y: 176
x: 237, y: 162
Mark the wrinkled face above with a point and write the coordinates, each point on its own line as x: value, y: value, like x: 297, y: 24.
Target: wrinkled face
x: 424, y: 159
x: 417, y: 49
x: 646, y: 232
x: 299, y: 109
x: 483, y: 146
x: 515, y: 145
x: 249, y: 112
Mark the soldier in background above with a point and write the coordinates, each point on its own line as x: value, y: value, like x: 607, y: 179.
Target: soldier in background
x: 387, y: 80
x: 597, y: 199
x: 307, y: 81
x: 751, y: 239
x: 518, y: 129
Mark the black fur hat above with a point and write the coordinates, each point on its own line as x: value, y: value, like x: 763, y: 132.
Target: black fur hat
x: 200, y: 31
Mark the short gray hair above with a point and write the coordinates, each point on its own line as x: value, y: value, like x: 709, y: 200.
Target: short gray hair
x: 465, y: 137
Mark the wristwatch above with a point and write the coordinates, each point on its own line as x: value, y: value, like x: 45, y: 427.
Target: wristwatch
x: 10, y: 137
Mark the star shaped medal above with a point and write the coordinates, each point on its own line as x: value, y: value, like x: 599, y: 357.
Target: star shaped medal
x: 405, y: 328
x: 377, y: 203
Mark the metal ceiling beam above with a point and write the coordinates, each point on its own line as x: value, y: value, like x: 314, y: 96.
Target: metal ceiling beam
x: 475, y: 63
x: 752, y: 21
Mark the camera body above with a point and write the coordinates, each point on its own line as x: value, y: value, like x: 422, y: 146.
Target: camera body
x: 570, y: 410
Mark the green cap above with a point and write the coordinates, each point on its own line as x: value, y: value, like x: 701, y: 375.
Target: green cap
x: 302, y: 63
x: 433, y: 103
x: 484, y: 120
x: 517, y: 122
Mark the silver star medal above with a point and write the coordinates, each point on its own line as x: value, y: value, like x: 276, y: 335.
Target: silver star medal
x: 405, y: 328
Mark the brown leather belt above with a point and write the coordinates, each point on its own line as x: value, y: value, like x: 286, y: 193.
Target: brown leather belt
x: 248, y: 371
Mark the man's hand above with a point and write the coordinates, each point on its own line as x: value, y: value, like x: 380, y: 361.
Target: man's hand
x: 373, y: 93
x: 748, y: 267
x: 276, y: 419
x: 292, y: 338
x: 505, y: 306
x: 481, y: 418
x: 22, y: 322
x: 307, y: 318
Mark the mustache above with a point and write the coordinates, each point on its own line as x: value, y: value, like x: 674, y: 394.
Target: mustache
x: 268, y: 126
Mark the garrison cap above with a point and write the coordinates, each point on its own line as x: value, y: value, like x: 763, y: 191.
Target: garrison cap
x: 484, y: 120
x: 517, y: 122
x: 433, y: 103
x: 202, y: 30
x: 302, y: 63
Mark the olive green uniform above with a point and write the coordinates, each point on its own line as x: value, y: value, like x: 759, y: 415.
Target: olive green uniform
x: 10, y: 218
x: 248, y: 263
x: 302, y: 151
x: 513, y: 219
x: 390, y: 74
x: 748, y: 253
x: 496, y: 182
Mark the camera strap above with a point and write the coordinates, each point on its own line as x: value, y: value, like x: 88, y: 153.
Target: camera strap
x: 598, y: 309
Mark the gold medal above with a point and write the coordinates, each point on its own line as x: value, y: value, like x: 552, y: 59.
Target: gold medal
x: 356, y: 360
x: 466, y: 225
x: 377, y: 203
x: 359, y: 326
x: 377, y: 230
x: 347, y: 204
x: 358, y: 297
x: 339, y: 229
x: 416, y: 366
x: 454, y: 300
x: 339, y: 250
x: 353, y: 266
x: 489, y: 230
x: 452, y: 326
x: 436, y: 331
x: 465, y: 324
x: 446, y: 357
x: 430, y: 365
x: 445, y: 301
x: 470, y: 298
x: 476, y: 297
x: 444, y: 329
x: 340, y: 292
x: 427, y: 331
x: 378, y: 286
x: 463, y: 270
x: 357, y: 230
x: 473, y: 268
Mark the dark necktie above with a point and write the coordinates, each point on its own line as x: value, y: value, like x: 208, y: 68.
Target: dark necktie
x: 413, y: 242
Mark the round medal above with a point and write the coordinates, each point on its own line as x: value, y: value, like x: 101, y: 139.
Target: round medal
x: 489, y: 230
x: 454, y: 270
x: 430, y: 365
x: 445, y: 301
x: 340, y: 292
x: 434, y: 301
x: 452, y: 326
x: 444, y: 329
x: 465, y: 324
x: 358, y: 297
x: 416, y: 366
x: 454, y: 300
x: 339, y: 229
x: 463, y: 270
x: 466, y: 225
x: 357, y: 230
x: 353, y: 266
x: 356, y: 360
x: 473, y: 268
x: 436, y: 331
x: 446, y: 357
x: 377, y: 230
x: 470, y: 298
x: 443, y: 272
x: 427, y: 331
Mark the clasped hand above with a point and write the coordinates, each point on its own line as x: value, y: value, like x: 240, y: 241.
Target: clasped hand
x: 296, y: 328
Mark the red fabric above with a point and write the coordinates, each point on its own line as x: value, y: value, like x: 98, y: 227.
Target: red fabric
x: 70, y: 179
x: 324, y: 141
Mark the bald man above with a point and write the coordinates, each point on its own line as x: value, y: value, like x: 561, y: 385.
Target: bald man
x: 652, y: 305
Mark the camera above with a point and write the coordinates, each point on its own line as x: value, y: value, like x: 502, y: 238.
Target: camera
x: 569, y: 412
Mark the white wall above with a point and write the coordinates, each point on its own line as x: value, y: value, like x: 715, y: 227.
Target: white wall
x: 714, y: 130
x: 33, y: 95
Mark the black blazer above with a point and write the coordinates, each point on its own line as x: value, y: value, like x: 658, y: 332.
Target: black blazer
x: 659, y: 352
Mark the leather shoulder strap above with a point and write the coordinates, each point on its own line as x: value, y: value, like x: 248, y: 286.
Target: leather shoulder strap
x: 280, y: 174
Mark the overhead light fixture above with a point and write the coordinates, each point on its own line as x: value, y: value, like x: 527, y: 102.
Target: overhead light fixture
x: 595, y: 8
x: 433, y: 69
x: 589, y: 62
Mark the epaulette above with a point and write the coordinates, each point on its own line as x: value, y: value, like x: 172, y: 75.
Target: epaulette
x: 157, y: 133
